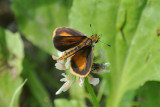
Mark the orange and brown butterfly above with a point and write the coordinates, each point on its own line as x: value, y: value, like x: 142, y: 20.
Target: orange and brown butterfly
x: 79, y: 48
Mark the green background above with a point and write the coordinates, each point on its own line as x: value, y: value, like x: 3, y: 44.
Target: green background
x: 28, y: 77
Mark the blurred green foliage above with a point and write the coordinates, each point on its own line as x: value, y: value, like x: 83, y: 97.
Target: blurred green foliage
x: 11, y: 57
x: 148, y: 95
x: 129, y: 26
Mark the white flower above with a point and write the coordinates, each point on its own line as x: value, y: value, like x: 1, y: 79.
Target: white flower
x: 92, y: 80
x: 100, y: 68
x: 60, y: 53
x: 62, y: 64
x: 81, y: 81
x: 107, y: 64
x: 103, y: 71
x: 67, y: 63
x: 69, y: 80
x: 54, y: 57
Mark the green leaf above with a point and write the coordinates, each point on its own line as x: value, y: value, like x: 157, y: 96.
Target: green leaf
x: 67, y: 103
x: 15, y: 47
x: 141, y: 55
x: 11, y: 57
x: 37, y: 19
x: 148, y: 95
x: 128, y: 100
x: 130, y: 27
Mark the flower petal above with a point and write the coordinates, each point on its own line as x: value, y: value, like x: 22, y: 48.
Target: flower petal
x: 93, y: 81
x: 54, y: 57
x: 64, y: 88
x: 81, y: 81
x: 107, y: 64
x: 100, y: 68
x: 60, y: 53
x: 103, y: 71
x: 69, y: 80
x: 67, y: 63
x: 60, y: 65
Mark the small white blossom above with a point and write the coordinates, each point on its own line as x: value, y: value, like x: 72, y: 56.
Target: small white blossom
x: 67, y: 63
x: 103, y: 71
x: 107, y: 64
x: 54, y: 57
x: 60, y: 65
x: 69, y: 80
x: 81, y: 81
x: 60, y: 53
x: 92, y: 80
x: 102, y: 68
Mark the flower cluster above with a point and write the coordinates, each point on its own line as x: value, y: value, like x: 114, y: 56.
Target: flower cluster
x: 70, y: 78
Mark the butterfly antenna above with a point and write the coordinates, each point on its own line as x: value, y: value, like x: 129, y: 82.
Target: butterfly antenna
x: 105, y: 44
x: 100, y: 35
x: 91, y: 29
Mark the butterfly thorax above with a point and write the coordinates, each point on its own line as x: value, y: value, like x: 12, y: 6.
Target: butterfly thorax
x: 84, y: 43
x: 94, y: 38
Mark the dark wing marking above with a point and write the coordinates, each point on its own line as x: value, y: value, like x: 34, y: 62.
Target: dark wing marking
x: 81, y: 62
x: 63, y: 43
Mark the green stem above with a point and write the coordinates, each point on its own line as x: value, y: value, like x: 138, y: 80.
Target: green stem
x: 101, y: 90
x: 91, y: 91
x: 16, y: 92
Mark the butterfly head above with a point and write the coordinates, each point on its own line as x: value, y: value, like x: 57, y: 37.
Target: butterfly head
x: 94, y: 38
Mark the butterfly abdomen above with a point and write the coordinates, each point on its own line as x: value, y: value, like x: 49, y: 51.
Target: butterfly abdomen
x: 86, y: 42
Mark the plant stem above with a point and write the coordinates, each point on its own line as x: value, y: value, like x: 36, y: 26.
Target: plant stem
x: 91, y: 91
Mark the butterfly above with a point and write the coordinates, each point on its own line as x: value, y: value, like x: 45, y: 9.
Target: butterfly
x: 79, y: 46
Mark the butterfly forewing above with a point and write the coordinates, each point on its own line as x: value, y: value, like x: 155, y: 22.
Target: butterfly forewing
x: 65, y: 38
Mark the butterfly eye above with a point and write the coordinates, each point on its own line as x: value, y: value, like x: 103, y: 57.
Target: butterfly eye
x: 96, y: 41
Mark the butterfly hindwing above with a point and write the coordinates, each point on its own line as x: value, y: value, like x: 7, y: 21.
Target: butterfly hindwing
x: 65, y: 38
x: 81, y: 62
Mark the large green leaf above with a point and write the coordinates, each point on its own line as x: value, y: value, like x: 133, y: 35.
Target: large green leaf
x: 148, y: 95
x: 37, y: 19
x: 141, y: 54
x: 130, y: 26
x: 11, y: 57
